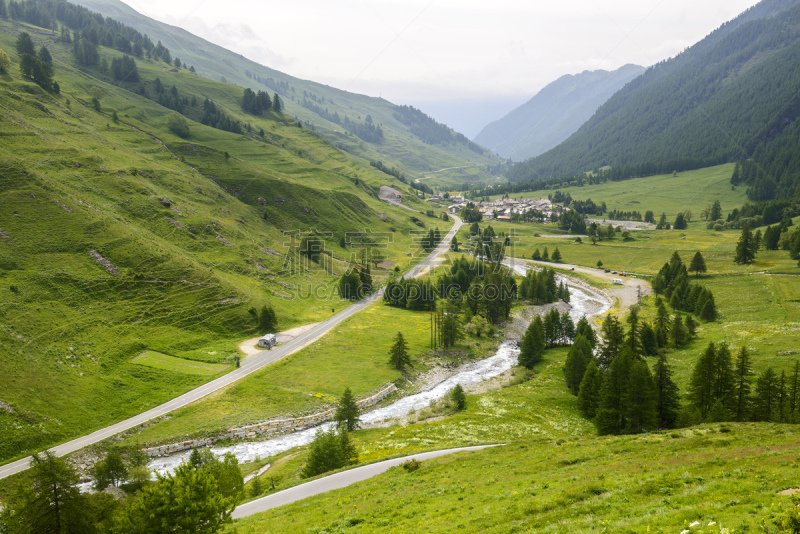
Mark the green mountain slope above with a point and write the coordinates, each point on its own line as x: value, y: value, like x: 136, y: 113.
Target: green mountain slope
x: 713, y: 103
x: 555, y: 113
x: 118, y: 237
x: 317, y: 105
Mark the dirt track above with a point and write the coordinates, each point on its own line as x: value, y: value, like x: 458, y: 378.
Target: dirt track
x: 628, y: 293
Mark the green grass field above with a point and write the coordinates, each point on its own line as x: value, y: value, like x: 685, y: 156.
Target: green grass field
x: 355, y: 355
x: 120, y: 237
x: 156, y: 360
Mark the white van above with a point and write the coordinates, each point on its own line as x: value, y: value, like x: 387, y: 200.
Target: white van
x: 616, y: 281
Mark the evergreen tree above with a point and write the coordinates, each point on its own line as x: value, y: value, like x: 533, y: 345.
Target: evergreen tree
x: 611, y: 412
x: 678, y: 331
x: 680, y: 222
x: 783, y: 401
x: 589, y: 391
x: 583, y: 328
x: 5, y: 61
x: 667, y: 397
x: 723, y: 376
x: 3, y: 12
x: 398, y: 355
x: 715, y: 213
x: 25, y: 44
x: 545, y: 255
x: 556, y: 257
x: 698, y: 264
x: 537, y: 256
x: 575, y: 366
x: 647, y: 337
x: 765, y: 400
x: 454, y: 244
x: 633, y: 341
x: 49, y: 502
x: 701, y: 384
x: 277, y: 104
x: 533, y: 344
x: 459, y: 398
x: 708, y: 312
x: 329, y: 450
x: 639, y: 401
x: 44, y: 55
x: 745, y: 249
x: 613, y: 339
x: 347, y: 411
x: 111, y: 471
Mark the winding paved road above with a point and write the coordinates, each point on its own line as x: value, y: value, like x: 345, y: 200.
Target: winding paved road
x: 336, y: 481
x: 249, y: 366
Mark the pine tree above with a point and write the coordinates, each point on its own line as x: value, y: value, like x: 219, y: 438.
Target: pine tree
x: 583, y: 328
x: 533, y: 344
x: 454, y: 244
x: 668, y: 403
x: 701, y: 384
x: 347, y: 411
x: 640, y: 400
x: 545, y: 255
x: 556, y: 257
x: 459, y: 398
x: 633, y: 340
x: 745, y: 249
x: 765, y: 398
x: 678, y: 331
x: 741, y: 386
x: 589, y: 391
x: 648, y: 339
x: 610, y: 418
x: 698, y: 264
x: 715, y: 213
x: 575, y: 365
x: 613, y: 339
x: 398, y: 355
x: 723, y: 376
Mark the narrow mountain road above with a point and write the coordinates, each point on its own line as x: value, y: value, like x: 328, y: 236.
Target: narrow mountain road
x: 250, y: 365
x: 337, y: 481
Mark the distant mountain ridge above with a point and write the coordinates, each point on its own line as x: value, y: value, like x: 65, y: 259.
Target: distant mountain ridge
x: 716, y: 102
x: 556, y: 112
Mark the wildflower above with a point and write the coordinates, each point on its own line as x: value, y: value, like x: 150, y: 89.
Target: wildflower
x: 695, y: 524
x: 712, y: 523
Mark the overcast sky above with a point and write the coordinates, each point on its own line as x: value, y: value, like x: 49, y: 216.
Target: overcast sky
x: 452, y: 58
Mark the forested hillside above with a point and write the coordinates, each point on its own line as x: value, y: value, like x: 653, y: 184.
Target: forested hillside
x: 555, y: 113
x: 148, y: 216
x: 362, y: 125
x: 733, y: 96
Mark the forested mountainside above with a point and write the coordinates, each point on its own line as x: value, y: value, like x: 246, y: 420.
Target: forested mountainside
x: 555, y: 113
x: 733, y: 96
x: 370, y: 127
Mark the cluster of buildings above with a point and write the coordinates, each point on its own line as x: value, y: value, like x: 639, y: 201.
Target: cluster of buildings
x: 504, y: 208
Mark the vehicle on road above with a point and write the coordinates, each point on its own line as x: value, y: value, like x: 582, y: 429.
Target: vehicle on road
x: 616, y: 281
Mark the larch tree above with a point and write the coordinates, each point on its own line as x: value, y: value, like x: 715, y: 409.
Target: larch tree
x: 533, y: 344
x: 398, y: 355
x: 668, y: 402
x: 589, y: 391
x: 347, y: 412
x: 575, y: 366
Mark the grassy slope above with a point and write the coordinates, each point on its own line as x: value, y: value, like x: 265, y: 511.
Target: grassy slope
x: 557, y: 476
x: 73, y: 181
x: 401, y: 147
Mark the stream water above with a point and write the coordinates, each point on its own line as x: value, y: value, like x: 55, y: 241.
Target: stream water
x: 582, y: 300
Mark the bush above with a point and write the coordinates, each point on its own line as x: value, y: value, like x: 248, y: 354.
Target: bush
x: 178, y: 125
x: 330, y: 450
x: 411, y: 465
x: 459, y: 398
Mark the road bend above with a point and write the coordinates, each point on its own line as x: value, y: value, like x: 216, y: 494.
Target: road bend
x: 337, y: 481
x: 250, y: 365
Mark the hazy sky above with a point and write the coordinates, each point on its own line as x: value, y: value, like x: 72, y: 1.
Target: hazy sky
x: 447, y: 55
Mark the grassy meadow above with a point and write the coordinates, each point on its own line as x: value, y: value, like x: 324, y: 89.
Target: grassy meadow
x: 119, y: 238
